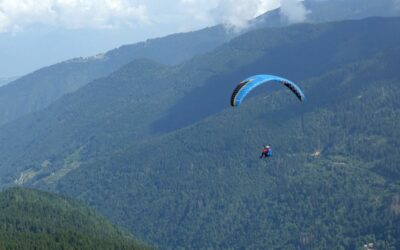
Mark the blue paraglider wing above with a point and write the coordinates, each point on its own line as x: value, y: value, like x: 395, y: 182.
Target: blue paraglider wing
x: 250, y: 83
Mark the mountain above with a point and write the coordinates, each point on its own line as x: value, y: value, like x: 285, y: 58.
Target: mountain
x: 39, y: 89
x: 317, y: 11
x: 40, y: 220
x: 158, y: 149
x: 323, y: 10
x: 333, y: 181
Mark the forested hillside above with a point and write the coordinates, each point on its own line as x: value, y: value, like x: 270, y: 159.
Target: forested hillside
x: 333, y: 180
x: 32, y: 219
x: 158, y: 149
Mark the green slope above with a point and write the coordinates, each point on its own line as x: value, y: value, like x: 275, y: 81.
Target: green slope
x: 33, y: 219
x: 205, y: 187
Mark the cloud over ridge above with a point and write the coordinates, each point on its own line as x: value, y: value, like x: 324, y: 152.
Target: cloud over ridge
x: 293, y: 11
x: 236, y: 14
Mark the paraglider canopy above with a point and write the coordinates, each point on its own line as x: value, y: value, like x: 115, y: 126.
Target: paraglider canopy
x: 246, y: 86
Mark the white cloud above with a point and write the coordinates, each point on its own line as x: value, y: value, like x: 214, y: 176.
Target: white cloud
x: 17, y: 14
x: 235, y: 14
x: 4, y: 22
x: 293, y: 10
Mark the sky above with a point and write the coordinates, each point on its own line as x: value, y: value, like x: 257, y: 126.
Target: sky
x: 35, y: 33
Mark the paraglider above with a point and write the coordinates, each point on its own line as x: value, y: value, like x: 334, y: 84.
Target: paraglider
x: 266, y: 151
x: 246, y: 86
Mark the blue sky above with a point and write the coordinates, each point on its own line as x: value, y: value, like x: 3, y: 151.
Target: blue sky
x: 36, y: 33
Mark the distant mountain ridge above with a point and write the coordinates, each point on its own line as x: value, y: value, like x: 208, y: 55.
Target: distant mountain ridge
x: 37, y: 90
x: 334, y: 10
